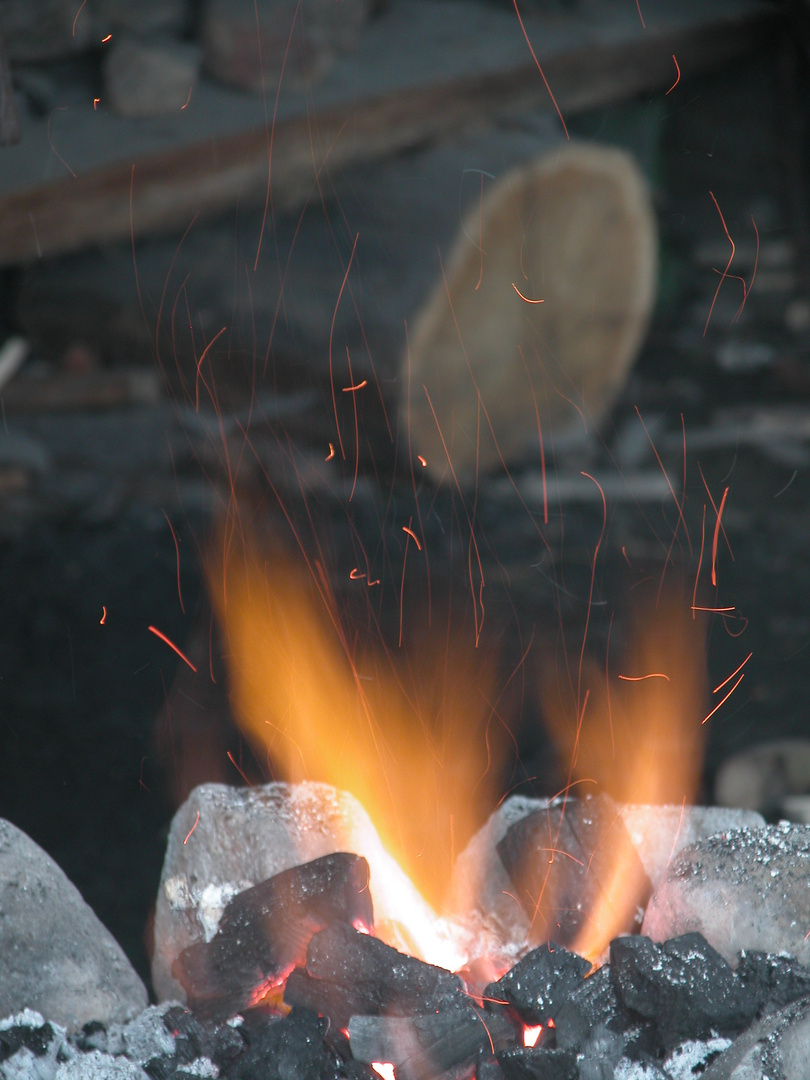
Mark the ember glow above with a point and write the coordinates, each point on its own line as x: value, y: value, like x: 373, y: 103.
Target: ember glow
x: 417, y: 754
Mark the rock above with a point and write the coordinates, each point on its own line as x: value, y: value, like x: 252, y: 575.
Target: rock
x: 660, y: 832
x: 778, y: 1045
x: 224, y: 840
x: 149, y: 78
x: 55, y: 955
x: 575, y: 870
x: 745, y: 889
x: 480, y: 882
x: 764, y: 775
x: 303, y: 44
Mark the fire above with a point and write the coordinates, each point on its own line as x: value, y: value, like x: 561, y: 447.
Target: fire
x: 637, y: 734
x: 415, y: 751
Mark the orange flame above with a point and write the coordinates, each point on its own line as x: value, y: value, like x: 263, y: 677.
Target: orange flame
x: 414, y: 752
x: 638, y: 736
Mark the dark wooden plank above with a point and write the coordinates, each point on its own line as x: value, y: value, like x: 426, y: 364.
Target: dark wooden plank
x: 423, y: 70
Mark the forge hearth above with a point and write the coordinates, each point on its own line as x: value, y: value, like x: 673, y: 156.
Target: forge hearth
x: 291, y: 977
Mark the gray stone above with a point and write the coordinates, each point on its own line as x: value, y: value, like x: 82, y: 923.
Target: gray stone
x: 224, y: 840
x: 778, y: 1045
x: 150, y: 78
x: 659, y: 833
x: 745, y: 889
x: 55, y: 955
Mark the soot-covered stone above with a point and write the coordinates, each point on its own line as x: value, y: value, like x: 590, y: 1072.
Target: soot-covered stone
x: 349, y: 974
x: 540, y: 982
x: 531, y: 1063
x: 684, y: 986
x: 265, y: 930
x: 561, y: 861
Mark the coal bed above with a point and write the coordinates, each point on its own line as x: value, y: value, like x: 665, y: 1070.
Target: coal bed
x: 290, y: 978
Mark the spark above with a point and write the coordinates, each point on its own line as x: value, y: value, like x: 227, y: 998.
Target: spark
x: 413, y: 536
x: 158, y: 633
x: 787, y: 485
x: 104, y: 40
x: 78, y: 13
x: 59, y: 108
x: 643, y: 24
x: 103, y: 618
x: 188, y: 99
x: 700, y: 562
x: 542, y: 75
x: 725, y: 699
x: 724, y: 275
x: 331, y: 453
x: 678, y: 76
x: 191, y: 830
x: 714, y: 507
x: 357, y: 386
x: 526, y: 298
x: 666, y: 477
x: 241, y: 773
x: 715, y: 537
x: 96, y: 100
x: 713, y: 610
x: 423, y: 463
x: 331, y: 336
x: 747, y: 288
x: 177, y: 557
x: 356, y: 574
x: 731, y: 676
x: 641, y: 678
x: 205, y: 352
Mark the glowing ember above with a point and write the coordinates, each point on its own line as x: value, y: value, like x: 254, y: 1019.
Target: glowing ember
x: 532, y: 1034
x: 384, y: 1068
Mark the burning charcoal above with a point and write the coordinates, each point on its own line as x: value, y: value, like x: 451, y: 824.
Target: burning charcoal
x: 349, y: 974
x: 683, y: 985
x: 539, y: 1064
x: 265, y: 930
x: 590, y: 1004
x: 224, y: 839
x: 539, y: 983
x: 291, y: 1048
x: 25, y: 1030
x: 562, y: 861
x: 775, y: 981
x: 425, y: 1046
x: 744, y: 889
x: 193, y: 1040
x: 600, y: 1054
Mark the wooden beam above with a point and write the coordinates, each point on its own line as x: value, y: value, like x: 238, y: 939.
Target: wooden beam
x: 422, y: 72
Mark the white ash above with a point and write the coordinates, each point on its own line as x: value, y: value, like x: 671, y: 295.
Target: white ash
x: 691, y: 1058
x: 97, y: 1066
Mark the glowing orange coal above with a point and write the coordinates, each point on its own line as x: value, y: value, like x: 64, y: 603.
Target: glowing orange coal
x: 632, y: 726
x: 413, y: 746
